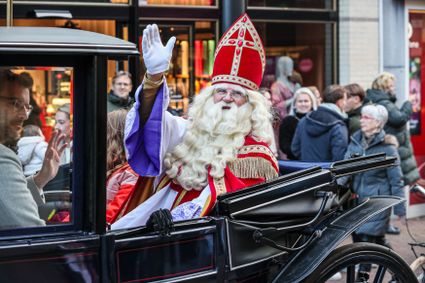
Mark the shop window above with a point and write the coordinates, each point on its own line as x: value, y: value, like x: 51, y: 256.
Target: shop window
x: 304, y: 4
x: 309, y: 45
x: 205, y: 44
x: 178, y: 2
x: 77, y: 1
x: 416, y: 61
x: 192, y: 61
x: 50, y: 98
x: 107, y: 27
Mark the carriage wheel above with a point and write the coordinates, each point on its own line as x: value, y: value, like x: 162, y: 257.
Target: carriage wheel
x: 390, y: 266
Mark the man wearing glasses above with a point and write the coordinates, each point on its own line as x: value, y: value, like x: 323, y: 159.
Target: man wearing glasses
x: 223, y: 146
x: 20, y: 196
x: 119, y: 96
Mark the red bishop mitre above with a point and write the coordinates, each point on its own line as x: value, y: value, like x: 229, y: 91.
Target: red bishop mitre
x: 239, y: 57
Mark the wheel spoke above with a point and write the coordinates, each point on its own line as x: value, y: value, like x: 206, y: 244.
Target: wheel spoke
x: 380, y: 273
x: 351, y: 274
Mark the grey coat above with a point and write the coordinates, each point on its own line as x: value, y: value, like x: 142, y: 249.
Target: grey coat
x: 19, y: 197
x: 378, y: 182
x: 397, y: 126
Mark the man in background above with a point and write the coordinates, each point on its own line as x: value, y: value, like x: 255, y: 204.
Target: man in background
x: 353, y: 108
x: 119, y: 96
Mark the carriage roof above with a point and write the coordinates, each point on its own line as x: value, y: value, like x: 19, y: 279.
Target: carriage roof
x: 63, y: 41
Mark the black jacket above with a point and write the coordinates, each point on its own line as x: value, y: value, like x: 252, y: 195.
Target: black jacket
x: 286, y: 134
x: 115, y: 102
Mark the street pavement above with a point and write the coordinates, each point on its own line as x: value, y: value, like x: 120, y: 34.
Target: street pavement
x: 416, y: 226
x: 400, y: 242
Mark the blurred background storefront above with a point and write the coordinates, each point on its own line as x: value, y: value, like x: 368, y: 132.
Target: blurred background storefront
x: 304, y: 30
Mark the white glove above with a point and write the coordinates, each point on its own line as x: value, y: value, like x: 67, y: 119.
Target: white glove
x: 156, y: 56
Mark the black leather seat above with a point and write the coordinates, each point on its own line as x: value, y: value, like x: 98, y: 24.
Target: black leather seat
x: 288, y: 197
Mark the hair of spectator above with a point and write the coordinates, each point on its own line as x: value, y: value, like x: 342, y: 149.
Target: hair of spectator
x: 355, y: 90
x: 333, y: 93
x: 66, y: 108
x: 377, y: 112
x: 9, y: 77
x: 121, y: 74
x: 115, y: 138
x: 31, y: 131
x: 382, y: 81
x: 27, y: 80
x: 296, y: 78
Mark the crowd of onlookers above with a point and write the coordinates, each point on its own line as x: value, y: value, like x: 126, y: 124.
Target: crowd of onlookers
x: 320, y: 128
x: 339, y: 123
x: 344, y: 122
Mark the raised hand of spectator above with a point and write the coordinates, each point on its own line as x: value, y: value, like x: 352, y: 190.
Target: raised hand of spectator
x: 51, y: 159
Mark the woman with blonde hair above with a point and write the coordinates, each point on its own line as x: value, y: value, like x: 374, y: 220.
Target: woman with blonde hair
x: 383, y: 93
x: 304, y: 102
x: 120, y: 178
x: 386, y: 82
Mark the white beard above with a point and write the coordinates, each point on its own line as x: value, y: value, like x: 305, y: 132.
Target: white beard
x: 212, y: 141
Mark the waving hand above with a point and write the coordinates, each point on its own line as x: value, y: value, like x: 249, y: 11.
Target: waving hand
x: 156, y: 56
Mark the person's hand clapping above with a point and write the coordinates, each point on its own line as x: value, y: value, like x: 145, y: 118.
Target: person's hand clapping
x: 155, y: 55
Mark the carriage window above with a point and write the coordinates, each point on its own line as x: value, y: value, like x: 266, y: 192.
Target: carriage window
x: 36, y: 116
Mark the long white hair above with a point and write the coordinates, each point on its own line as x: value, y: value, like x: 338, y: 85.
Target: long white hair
x: 214, y: 137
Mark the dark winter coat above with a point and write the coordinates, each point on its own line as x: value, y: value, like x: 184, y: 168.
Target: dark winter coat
x: 321, y: 136
x: 286, y: 134
x: 354, y: 120
x: 397, y: 126
x: 378, y: 182
x: 115, y: 102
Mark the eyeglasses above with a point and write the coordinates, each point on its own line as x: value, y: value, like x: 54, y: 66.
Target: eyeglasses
x: 235, y: 94
x: 367, y: 117
x: 18, y: 105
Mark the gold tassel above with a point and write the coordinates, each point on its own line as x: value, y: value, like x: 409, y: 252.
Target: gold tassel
x: 253, y: 167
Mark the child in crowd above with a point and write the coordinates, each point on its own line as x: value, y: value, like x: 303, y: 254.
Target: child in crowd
x: 120, y: 177
x: 31, y: 149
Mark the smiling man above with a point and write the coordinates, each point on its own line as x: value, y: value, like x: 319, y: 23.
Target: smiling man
x: 222, y: 147
x: 119, y: 96
x: 20, y: 196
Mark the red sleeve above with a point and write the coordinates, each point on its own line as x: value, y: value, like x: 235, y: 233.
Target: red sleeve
x: 116, y: 205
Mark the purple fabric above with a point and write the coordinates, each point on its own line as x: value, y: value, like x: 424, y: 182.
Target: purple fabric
x: 144, y: 144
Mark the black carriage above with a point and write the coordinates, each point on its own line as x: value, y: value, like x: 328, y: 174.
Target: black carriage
x: 285, y: 230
